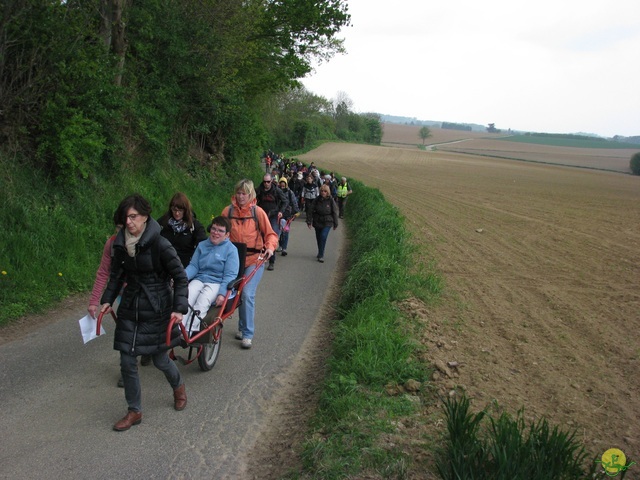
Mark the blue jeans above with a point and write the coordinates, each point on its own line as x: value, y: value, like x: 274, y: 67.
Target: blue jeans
x: 284, y: 235
x: 321, y: 239
x: 129, y: 370
x: 276, y: 228
x: 247, y: 309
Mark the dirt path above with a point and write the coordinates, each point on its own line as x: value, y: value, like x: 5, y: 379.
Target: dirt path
x: 541, y: 308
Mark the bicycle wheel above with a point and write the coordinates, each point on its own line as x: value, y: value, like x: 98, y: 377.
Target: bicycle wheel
x: 210, y: 352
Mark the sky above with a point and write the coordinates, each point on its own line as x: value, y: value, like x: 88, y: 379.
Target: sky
x: 555, y: 66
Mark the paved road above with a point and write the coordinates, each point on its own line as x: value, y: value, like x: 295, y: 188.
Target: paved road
x: 59, y: 399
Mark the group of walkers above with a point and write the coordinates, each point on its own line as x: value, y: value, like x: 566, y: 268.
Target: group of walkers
x: 170, y: 269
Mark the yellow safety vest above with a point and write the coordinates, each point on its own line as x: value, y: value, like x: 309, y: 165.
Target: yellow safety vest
x: 343, y: 190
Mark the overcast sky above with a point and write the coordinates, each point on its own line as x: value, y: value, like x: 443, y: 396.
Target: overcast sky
x: 558, y: 66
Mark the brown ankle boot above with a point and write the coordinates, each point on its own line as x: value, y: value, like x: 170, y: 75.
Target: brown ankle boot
x: 180, y: 398
x: 130, y: 419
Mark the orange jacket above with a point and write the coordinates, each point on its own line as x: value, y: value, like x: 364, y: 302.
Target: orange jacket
x: 245, y: 230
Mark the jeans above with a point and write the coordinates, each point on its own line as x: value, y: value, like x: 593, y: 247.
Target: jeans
x: 276, y: 228
x: 321, y: 239
x: 284, y: 234
x: 129, y: 370
x: 247, y: 309
x: 201, y: 296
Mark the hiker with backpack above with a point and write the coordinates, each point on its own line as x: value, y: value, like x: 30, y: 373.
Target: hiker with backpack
x: 273, y: 201
x: 249, y: 225
x: 289, y: 213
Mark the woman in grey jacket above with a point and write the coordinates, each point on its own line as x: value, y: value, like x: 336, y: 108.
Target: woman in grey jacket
x: 147, y: 262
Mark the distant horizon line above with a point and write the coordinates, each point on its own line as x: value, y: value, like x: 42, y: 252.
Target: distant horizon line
x: 484, y: 127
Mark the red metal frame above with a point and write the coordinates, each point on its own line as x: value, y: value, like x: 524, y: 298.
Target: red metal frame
x: 225, y: 313
x: 99, y: 324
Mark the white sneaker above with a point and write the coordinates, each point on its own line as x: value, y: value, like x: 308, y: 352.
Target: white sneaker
x: 238, y: 335
x: 246, y: 343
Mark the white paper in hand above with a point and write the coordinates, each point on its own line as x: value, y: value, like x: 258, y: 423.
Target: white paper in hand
x: 88, y: 326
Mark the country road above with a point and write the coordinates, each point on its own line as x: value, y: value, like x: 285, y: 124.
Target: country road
x: 60, y: 398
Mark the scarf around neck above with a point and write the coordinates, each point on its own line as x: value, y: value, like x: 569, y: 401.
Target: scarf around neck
x: 177, y: 226
x: 130, y: 240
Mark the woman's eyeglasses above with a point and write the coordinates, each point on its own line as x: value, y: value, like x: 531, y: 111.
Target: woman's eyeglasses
x: 177, y: 209
x: 133, y: 216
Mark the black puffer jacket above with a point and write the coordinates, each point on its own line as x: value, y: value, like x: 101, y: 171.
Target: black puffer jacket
x: 147, y: 299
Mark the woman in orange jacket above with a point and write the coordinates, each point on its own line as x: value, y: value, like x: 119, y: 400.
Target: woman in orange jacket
x: 249, y: 225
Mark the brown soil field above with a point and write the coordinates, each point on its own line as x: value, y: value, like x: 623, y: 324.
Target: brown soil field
x: 486, y: 144
x: 407, y: 135
x: 541, y: 266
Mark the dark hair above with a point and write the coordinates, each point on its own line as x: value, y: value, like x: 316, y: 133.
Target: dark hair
x: 221, y: 222
x: 180, y: 200
x: 135, y: 201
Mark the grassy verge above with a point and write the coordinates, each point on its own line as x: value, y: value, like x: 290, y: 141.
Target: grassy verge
x: 52, y: 238
x: 372, y: 352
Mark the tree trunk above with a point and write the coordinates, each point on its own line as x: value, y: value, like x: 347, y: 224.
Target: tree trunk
x: 105, y: 23
x: 119, y: 38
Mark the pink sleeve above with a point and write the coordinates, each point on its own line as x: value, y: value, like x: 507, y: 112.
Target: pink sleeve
x: 102, y: 275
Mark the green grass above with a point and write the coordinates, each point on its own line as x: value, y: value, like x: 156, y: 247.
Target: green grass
x: 372, y: 349
x: 52, y: 237
x: 481, y: 447
x: 583, y: 142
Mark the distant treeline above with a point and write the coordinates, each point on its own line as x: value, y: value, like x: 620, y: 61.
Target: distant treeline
x: 568, y: 136
x: 456, y: 126
x: 567, y: 140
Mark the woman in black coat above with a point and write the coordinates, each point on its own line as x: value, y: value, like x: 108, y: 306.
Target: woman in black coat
x: 147, y: 262
x: 180, y: 226
x: 323, y: 216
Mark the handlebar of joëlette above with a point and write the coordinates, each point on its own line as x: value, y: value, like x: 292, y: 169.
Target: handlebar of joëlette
x: 99, y: 322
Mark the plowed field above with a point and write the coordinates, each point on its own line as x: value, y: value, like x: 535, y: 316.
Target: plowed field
x: 485, y: 144
x: 541, y: 307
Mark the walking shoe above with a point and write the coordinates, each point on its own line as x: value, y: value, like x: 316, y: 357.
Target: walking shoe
x: 130, y: 419
x: 321, y: 260
x: 279, y: 249
x: 121, y: 382
x: 238, y: 335
x: 270, y: 267
x: 246, y: 343
x: 284, y: 253
x: 180, y: 398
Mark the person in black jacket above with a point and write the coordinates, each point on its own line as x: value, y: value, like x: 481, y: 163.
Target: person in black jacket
x: 273, y: 201
x: 181, y: 228
x: 324, y: 216
x: 147, y: 262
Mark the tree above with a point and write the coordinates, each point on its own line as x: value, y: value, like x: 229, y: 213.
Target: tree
x: 635, y: 164
x: 424, y: 133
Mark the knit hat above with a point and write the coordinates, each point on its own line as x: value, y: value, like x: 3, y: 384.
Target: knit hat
x: 283, y: 180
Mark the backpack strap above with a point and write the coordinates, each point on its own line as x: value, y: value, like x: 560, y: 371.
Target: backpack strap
x: 254, y: 215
